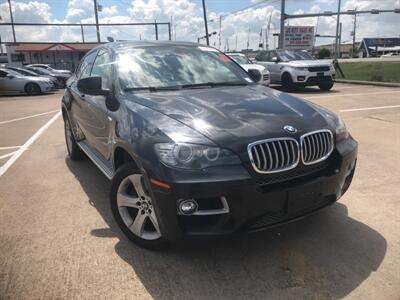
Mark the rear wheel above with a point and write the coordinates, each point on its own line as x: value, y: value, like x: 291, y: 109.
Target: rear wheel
x: 325, y: 86
x: 32, y: 89
x: 287, y: 83
x: 133, y: 208
x: 74, y: 152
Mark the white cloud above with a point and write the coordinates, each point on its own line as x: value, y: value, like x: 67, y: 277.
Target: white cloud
x: 187, y: 18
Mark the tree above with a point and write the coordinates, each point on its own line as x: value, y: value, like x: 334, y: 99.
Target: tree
x: 324, y: 53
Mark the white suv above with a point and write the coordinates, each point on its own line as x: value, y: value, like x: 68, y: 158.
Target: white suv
x: 245, y: 63
x: 295, y: 69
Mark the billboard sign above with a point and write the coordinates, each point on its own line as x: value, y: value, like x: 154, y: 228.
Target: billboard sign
x: 299, y: 37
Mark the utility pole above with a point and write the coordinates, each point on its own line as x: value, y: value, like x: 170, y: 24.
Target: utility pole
x: 219, y: 35
x: 354, y: 34
x: 282, y: 29
x: 83, y: 34
x: 248, y: 41
x: 96, y: 16
x: 340, y: 39
x: 337, y: 30
x: 205, y: 22
x: 12, y: 20
x: 236, y: 44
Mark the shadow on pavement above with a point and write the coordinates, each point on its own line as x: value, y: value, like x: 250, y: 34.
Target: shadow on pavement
x: 307, y: 90
x: 325, y: 256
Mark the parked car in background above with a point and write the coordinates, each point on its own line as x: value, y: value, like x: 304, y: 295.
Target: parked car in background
x: 12, y: 83
x: 245, y: 63
x: 61, y: 77
x: 27, y: 72
x: 294, y: 69
x: 193, y: 146
x: 50, y: 69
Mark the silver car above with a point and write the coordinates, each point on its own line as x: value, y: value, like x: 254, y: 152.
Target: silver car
x: 13, y: 83
x: 50, y: 69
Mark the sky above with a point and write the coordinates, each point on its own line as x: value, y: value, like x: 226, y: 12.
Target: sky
x: 241, y: 19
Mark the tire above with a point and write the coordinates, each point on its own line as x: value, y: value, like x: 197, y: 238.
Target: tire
x: 133, y: 209
x: 325, y: 86
x: 74, y: 152
x: 287, y: 83
x: 32, y: 89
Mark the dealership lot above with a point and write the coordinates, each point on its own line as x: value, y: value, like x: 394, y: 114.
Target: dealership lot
x: 58, y: 238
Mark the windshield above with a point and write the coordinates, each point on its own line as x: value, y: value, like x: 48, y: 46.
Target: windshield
x: 41, y: 71
x: 241, y: 60
x: 12, y: 72
x: 25, y: 72
x: 288, y: 55
x: 173, y: 66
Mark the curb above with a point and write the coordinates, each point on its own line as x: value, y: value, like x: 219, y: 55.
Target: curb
x: 375, y: 83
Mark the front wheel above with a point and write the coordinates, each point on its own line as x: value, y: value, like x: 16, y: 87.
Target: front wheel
x: 133, y: 208
x: 287, y: 83
x: 32, y: 89
x: 325, y: 86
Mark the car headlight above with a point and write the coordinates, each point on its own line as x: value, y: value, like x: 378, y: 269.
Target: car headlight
x: 300, y: 68
x: 341, y: 130
x: 192, y: 156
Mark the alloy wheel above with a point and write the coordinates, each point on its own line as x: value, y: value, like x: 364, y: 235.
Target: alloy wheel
x: 136, y: 209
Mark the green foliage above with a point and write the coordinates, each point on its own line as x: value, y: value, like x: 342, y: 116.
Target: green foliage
x: 324, y: 53
x: 385, y: 71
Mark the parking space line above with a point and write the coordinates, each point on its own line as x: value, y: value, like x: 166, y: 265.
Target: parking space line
x: 354, y: 94
x: 25, y: 146
x: 369, y: 108
x: 28, y: 117
x: 7, y: 155
x: 10, y: 147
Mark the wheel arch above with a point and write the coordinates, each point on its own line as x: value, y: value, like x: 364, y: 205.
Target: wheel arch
x: 286, y: 72
x: 122, y: 156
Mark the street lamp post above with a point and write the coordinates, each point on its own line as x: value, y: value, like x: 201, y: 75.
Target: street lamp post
x: 205, y: 22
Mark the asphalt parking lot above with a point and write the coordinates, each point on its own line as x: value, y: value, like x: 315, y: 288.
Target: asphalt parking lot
x: 58, y: 239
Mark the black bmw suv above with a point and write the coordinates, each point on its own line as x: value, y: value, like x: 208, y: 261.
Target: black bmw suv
x: 194, y: 147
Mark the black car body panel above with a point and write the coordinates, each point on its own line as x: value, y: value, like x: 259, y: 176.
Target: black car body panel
x: 230, y: 117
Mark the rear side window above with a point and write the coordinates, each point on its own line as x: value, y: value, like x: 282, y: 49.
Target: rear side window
x: 262, y: 56
x: 102, y: 68
x: 86, y: 65
x: 3, y: 74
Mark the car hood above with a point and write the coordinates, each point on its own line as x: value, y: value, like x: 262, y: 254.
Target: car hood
x: 308, y: 63
x: 232, y: 117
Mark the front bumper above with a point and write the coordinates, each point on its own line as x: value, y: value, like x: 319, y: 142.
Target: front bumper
x: 256, y: 203
x: 306, y: 78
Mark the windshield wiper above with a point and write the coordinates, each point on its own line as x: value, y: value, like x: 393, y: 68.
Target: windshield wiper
x: 213, y: 84
x: 153, y: 88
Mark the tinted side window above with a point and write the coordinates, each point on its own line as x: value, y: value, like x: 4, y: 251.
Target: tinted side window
x: 86, y: 65
x: 262, y: 56
x: 102, y: 68
x: 272, y: 55
x: 3, y: 74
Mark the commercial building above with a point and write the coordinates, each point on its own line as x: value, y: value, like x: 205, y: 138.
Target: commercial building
x: 60, y: 55
x: 379, y: 46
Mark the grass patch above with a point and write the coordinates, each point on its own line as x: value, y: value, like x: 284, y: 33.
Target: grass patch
x: 385, y: 71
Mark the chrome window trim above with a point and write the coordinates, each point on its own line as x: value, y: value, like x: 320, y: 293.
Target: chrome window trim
x: 292, y: 166
x: 322, y: 158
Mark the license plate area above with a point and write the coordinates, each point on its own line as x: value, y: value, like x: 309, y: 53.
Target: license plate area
x: 320, y: 74
x: 305, y: 199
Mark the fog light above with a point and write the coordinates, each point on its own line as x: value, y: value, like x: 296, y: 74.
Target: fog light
x: 301, y: 78
x: 188, y: 207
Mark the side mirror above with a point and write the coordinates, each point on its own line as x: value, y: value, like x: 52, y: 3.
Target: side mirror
x: 275, y: 59
x: 254, y: 74
x: 91, y: 86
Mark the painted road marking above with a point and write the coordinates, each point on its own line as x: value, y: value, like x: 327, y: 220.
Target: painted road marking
x: 28, y: 117
x: 7, y: 155
x: 355, y: 94
x: 10, y: 147
x: 369, y: 108
x: 25, y: 146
